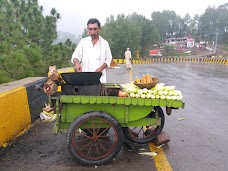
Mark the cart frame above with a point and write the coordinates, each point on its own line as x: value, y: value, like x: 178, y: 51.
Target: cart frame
x: 93, y: 116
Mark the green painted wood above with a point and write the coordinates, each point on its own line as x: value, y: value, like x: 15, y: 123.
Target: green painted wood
x: 155, y: 102
x: 112, y: 100
x: 127, y: 100
x: 56, y: 126
x: 128, y: 111
x: 177, y: 103
x: 105, y: 99
x: 134, y: 101
x: 140, y: 122
x: 120, y: 100
x: 63, y: 117
x: 76, y: 99
x: 138, y: 112
x: 143, y: 122
x: 66, y: 99
x: 99, y: 99
x: 64, y: 125
x: 162, y: 102
x: 126, y: 114
x: 93, y: 99
x: 169, y: 103
x: 141, y: 102
x: 85, y: 99
x: 120, y: 112
x: 148, y: 102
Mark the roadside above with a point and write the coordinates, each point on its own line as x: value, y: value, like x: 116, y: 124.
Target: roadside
x: 39, y: 149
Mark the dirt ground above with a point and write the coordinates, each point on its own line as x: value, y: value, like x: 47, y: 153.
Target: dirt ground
x: 39, y: 149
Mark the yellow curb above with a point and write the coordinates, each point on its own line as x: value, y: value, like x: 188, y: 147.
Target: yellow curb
x: 14, y: 113
x: 25, y: 130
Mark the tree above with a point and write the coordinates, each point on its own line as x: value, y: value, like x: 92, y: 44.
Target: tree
x: 194, y: 28
x: 150, y: 35
x: 166, y: 22
x: 26, y: 38
x: 214, y: 21
x: 60, y: 54
x: 133, y: 31
x: 184, y: 26
x: 208, y: 23
x: 222, y: 25
x: 121, y: 34
x: 13, y: 62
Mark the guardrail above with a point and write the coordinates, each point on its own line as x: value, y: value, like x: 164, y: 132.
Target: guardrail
x: 150, y: 60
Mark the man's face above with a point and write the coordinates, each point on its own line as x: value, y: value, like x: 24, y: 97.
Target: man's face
x: 93, y: 30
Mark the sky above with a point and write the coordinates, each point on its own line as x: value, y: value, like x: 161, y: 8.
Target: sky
x: 75, y: 14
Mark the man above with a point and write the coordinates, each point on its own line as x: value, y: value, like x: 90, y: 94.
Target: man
x: 127, y: 55
x: 93, y: 53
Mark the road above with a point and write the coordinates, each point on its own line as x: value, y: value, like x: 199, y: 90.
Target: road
x: 198, y: 142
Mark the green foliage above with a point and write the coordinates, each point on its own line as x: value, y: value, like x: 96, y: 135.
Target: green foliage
x: 169, y: 49
x: 150, y: 34
x: 166, y: 22
x: 201, y: 27
x: 133, y: 31
x: 26, y: 37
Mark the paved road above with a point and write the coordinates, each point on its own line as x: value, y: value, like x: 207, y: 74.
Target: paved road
x: 199, y: 142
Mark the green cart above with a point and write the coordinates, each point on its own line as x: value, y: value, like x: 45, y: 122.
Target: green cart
x: 98, y: 124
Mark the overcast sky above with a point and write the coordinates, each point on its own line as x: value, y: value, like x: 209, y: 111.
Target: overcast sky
x: 75, y: 14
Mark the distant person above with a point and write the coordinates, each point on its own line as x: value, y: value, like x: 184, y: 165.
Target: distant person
x: 92, y: 53
x: 127, y: 55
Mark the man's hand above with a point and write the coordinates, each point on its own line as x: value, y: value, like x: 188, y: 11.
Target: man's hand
x: 99, y: 69
x: 78, y: 68
x: 77, y: 65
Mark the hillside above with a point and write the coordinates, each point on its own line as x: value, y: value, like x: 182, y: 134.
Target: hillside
x: 63, y: 36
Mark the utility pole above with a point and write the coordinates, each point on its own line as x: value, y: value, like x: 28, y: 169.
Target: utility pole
x: 216, y: 40
x: 171, y: 27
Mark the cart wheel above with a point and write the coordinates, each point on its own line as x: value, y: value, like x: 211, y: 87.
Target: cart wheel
x: 145, y: 134
x: 89, y: 131
x: 97, y: 148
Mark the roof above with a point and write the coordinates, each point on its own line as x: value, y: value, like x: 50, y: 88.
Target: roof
x: 155, y: 51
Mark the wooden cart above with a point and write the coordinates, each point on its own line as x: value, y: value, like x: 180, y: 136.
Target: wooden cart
x: 98, y: 124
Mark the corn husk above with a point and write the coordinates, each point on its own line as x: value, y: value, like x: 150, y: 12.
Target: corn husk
x: 152, y: 154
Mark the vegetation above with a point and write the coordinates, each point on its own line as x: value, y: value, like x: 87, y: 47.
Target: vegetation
x: 134, y: 32
x: 28, y: 38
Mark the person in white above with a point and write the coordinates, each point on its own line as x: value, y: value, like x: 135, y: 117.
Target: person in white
x: 92, y: 53
x: 127, y: 55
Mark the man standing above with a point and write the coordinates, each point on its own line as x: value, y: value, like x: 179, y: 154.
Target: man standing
x: 92, y: 53
x: 127, y: 55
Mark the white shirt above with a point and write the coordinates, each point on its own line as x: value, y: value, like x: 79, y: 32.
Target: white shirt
x: 128, y: 57
x: 92, y: 56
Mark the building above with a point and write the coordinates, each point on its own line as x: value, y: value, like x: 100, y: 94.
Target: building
x: 181, y: 41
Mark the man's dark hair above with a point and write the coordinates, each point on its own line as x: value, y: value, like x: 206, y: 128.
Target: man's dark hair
x: 93, y: 21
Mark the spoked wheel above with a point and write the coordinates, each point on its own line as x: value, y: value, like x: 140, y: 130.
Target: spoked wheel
x: 145, y: 134
x: 98, y: 147
x: 90, y: 131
